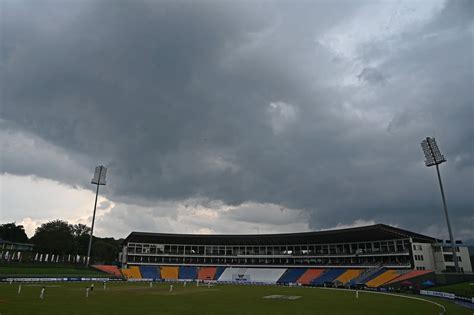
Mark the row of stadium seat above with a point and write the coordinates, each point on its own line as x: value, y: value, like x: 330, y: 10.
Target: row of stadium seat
x: 348, y: 275
x: 366, y: 276
x: 150, y: 272
x: 375, y: 277
x: 132, y: 273
x: 110, y: 269
x: 409, y: 274
x: 383, y: 278
x: 328, y: 276
x: 309, y: 276
x: 291, y: 275
x: 207, y: 273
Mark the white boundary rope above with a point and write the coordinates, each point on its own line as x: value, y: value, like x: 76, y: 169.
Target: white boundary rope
x: 392, y: 294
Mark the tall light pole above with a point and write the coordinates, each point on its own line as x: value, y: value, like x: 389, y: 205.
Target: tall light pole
x: 434, y: 157
x: 98, y: 179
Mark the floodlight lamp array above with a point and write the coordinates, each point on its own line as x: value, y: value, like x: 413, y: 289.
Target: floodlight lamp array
x: 99, y: 175
x: 432, y: 154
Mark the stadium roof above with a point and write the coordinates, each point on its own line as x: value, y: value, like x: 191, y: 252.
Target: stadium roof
x: 375, y: 232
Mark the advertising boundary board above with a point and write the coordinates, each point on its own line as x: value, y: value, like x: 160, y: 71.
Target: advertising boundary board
x: 55, y: 279
x: 445, y: 295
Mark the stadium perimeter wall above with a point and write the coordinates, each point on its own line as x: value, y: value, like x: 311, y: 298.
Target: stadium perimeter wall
x: 450, y: 278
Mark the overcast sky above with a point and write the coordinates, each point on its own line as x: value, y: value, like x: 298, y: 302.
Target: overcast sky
x: 236, y: 117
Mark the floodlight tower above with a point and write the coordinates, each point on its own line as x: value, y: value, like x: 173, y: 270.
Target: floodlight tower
x: 98, y: 179
x: 434, y: 157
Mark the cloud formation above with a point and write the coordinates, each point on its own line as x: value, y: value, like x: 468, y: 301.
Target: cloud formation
x: 315, y: 107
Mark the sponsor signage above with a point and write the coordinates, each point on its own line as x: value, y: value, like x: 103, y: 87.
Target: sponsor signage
x: 240, y: 277
x: 438, y: 294
x: 53, y: 279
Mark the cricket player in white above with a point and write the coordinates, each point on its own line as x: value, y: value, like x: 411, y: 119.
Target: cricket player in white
x: 42, y: 293
x: 171, y: 288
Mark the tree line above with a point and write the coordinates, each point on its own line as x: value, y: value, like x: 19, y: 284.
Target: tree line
x: 60, y: 237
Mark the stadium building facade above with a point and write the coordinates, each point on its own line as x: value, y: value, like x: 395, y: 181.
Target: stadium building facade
x: 369, y: 247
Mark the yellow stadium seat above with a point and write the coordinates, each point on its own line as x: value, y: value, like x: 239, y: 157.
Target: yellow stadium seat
x: 133, y: 272
x: 383, y: 278
x: 169, y: 272
x: 348, y: 275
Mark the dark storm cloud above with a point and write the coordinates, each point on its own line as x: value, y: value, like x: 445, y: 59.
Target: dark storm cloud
x: 372, y: 75
x: 239, y: 103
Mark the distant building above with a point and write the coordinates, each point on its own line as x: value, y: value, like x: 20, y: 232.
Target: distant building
x: 12, y: 251
x: 14, y: 246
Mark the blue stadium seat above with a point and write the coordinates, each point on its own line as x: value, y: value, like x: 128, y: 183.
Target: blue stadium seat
x: 329, y: 276
x: 187, y: 272
x: 150, y: 272
x: 291, y: 275
x: 219, y: 272
x: 367, y: 276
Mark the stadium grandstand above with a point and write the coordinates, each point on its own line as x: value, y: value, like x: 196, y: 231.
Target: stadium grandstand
x: 371, y: 256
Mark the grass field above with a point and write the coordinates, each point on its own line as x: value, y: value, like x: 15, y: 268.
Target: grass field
x: 460, y: 289
x: 45, y: 271
x: 139, y: 298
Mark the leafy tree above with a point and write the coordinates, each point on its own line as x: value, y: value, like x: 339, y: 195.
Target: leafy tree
x: 60, y: 237
x: 13, y: 233
x: 104, y: 252
x: 54, y: 237
x: 80, y: 230
x: 81, y: 238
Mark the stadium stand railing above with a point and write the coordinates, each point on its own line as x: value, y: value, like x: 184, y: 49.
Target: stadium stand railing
x: 309, y: 276
x: 291, y: 275
x: 187, y: 272
x: 329, y: 276
x: 110, y: 269
x: 150, y: 272
x: 132, y: 272
x: 348, y: 275
x: 169, y: 273
x: 207, y: 273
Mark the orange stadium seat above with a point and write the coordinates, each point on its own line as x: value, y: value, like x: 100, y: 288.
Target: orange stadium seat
x: 410, y: 275
x: 169, y: 273
x: 110, y: 269
x: 309, y: 276
x: 207, y: 273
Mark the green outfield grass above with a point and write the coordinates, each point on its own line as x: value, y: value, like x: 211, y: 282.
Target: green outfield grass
x: 49, y: 271
x: 139, y: 298
x: 460, y: 289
